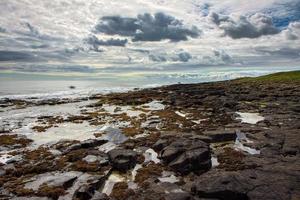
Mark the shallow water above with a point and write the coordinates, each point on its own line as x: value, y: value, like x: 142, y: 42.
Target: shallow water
x: 250, y: 118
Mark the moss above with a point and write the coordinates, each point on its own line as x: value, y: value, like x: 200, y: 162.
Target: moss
x: 121, y: 191
x: 76, y: 155
x: 85, y: 167
x: 38, y: 154
x: 52, y: 192
x: 151, y: 170
x: 231, y: 160
x: 8, y: 140
x: 131, y: 131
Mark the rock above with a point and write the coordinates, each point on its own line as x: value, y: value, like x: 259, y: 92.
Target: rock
x: 291, y: 145
x: 91, y: 143
x: 100, y: 196
x: 53, y: 179
x: 221, y: 135
x: 245, y: 185
x: 84, y: 192
x: 187, y: 155
x: 101, y: 159
x: 160, y: 144
x: 86, y: 186
x: 179, y: 196
x: 122, y: 159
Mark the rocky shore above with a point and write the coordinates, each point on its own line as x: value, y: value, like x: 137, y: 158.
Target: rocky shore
x: 234, y: 140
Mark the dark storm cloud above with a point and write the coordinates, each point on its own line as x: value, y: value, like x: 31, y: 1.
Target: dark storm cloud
x: 245, y: 27
x: 95, y: 42
x: 146, y: 27
x: 15, y: 56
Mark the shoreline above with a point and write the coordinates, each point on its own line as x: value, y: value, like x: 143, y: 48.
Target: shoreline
x: 231, y: 139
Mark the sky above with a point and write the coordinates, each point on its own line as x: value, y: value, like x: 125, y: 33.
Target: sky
x: 140, y: 37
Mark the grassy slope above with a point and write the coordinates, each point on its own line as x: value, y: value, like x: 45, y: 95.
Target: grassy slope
x: 293, y: 76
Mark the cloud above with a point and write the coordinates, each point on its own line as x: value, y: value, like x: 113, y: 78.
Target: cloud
x: 95, y: 42
x: 37, y: 68
x: 293, y: 31
x: 223, y: 56
x: 283, y: 52
x: 15, y: 56
x: 181, y: 56
x: 2, y: 30
x: 237, y: 27
x: 146, y: 27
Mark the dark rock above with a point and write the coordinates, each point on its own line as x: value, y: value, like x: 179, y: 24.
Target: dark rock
x: 122, y: 159
x: 179, y: 196
x: 186, y: 155
x: 221, y: 135
x: 84, y: 192
x: 247, y: 185
x: 160, y: 144
x: 91, y: 143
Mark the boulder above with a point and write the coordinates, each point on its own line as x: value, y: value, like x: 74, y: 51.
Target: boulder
x: 122, y: 159
x: 187, y: 155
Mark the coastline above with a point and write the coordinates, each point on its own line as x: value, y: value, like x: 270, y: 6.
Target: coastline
x: 231, y: 139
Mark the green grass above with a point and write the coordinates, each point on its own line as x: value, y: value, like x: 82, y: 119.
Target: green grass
x: 292, y: 76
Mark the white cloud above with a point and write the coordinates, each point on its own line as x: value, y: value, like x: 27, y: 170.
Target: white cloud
x: 57, y: 30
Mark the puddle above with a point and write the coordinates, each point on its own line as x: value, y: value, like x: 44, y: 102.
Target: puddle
x: 17, y: 118
x: 65, y: 131
x: 107, y: 147
x: 214, y: 161
x: 199, y: 121
x: 114, y: 109
x: 239, y: 144
x: 180, y: 114
x: 112, y: 134
x: 249, y: 118
x: 6, y: 158
x: 111, y: 181
x: 151, y: 155
x: 154, y: 106
x: 168, y: 177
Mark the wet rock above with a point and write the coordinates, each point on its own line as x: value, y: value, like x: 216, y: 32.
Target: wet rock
x: 86, y: 186
x: 221, y: 135
x: 53, y: 179
x: 101, y: 159
x: 91, y: 143
x: 187, y: 155
x: 122, y: 159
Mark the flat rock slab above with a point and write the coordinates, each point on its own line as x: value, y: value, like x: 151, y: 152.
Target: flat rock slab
x: 221, y: 135
x: 246, y: 185
x: 53, y: 179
